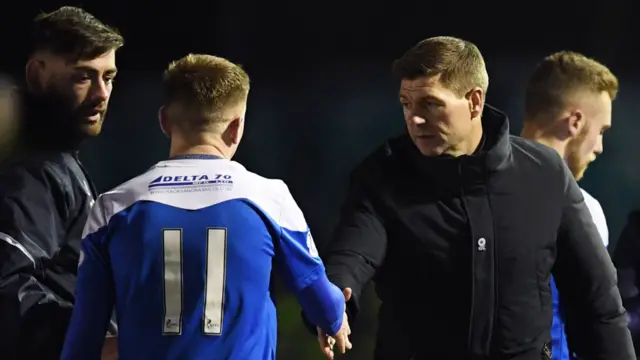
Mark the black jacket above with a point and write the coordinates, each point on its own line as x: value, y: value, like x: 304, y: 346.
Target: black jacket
x: 627, y: 260
x: 461, y: 250
x: 45, y: 196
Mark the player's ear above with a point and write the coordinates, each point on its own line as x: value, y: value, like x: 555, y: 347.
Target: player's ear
x: 574, y: 122
x: 234, y: 130
x: 33, y: 71
x: 475, y: 97
x: 165, y: 126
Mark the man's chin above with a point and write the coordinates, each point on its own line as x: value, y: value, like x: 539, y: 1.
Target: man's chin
x: 91, y: 129
x: 430, y: 146
x: 579, y: 174
x: 431, y: 152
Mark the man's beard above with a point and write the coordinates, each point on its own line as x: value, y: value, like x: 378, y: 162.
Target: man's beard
x: 576, y: 163
x: 8, y: 135
x: 71, y: 116
x: 54, y: 121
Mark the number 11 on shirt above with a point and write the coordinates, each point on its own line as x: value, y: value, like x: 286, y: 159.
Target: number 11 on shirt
x: 213, y: 311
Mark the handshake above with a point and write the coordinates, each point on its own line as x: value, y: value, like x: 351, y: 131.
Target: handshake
x: 341, y: 338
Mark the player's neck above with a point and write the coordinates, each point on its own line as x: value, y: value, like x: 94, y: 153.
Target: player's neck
x: 209, y: 149
x: 540, y: 136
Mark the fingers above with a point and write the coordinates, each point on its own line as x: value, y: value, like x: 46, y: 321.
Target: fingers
x: 345, y: 323
x: 347, y: 294
x: 326, y: 344
x: 332, y: 345
x: 110, y: 349
x: 340, y: 343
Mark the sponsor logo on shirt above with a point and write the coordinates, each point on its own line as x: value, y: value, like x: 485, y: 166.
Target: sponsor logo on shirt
x: 311, y: 245
x: 191, y: 183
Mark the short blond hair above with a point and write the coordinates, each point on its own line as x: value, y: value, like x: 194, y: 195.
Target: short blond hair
x: 206, y: 86
x: 458, y: 62
x: 561, y: 75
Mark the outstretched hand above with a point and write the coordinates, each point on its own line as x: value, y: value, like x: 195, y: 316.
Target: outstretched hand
x: 341, y: 339
x: 110, y: 349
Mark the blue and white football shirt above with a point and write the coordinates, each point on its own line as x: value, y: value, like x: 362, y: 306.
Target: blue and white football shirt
x: 184, y: 252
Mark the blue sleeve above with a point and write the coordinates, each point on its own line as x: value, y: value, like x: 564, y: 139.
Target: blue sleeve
x: 296, y: 255
x: 94, y: 300
x: 323, y: 304
x: 299, y: 264
x: 559, y: 348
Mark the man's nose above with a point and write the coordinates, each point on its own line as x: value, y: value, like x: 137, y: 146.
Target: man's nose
x: 599, y: 146
x: 417, y: 120
x: 100, y: 91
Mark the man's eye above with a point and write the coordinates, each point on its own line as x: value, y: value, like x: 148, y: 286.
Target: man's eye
x: 82, y: 79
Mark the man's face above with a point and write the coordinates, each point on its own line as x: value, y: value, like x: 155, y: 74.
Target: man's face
x: 8, y: 109
x: 8, y: 116
x: 83, y: 87
x: 437, y: 119
x: 587, y: 145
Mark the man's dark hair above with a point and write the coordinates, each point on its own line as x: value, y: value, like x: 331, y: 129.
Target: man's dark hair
x: 75, y: 34
x: 458, y: 63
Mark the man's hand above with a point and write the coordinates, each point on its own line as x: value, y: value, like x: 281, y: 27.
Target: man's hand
x: 110, y: 349
x: 341, y: 339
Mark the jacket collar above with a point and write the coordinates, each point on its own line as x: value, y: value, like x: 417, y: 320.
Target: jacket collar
x: 493, y: 154
x: 495, y: 125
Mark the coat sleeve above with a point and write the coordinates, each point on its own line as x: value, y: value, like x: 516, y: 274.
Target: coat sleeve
x: 33, y: 212
x: 596, y: 321
x: 359, y: 244
x: 627, y: 260
x: 95, y: 291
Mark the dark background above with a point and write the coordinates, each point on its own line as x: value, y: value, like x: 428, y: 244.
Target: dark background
x: 322, y: 96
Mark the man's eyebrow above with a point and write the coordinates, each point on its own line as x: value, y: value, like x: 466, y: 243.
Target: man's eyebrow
x: 89, y: 69
x: 431, y: 98
x: 422, y: 97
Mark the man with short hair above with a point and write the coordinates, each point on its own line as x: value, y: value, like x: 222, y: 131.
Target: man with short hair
x: 185, y: 251
x: 460, y: 226
x: 45, y: 194
x: 568, y: 108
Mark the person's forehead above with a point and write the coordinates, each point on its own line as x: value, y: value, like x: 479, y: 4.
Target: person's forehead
x: 102, y: 63
x: 420, y: 86
x: 596, y: 104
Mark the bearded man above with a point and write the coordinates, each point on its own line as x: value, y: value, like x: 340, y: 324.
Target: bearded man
x: 568, y: 108
x: 45, y: 193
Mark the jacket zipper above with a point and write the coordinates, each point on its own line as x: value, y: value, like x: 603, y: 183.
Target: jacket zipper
x: 495, y: 266
x: 464, y: 207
